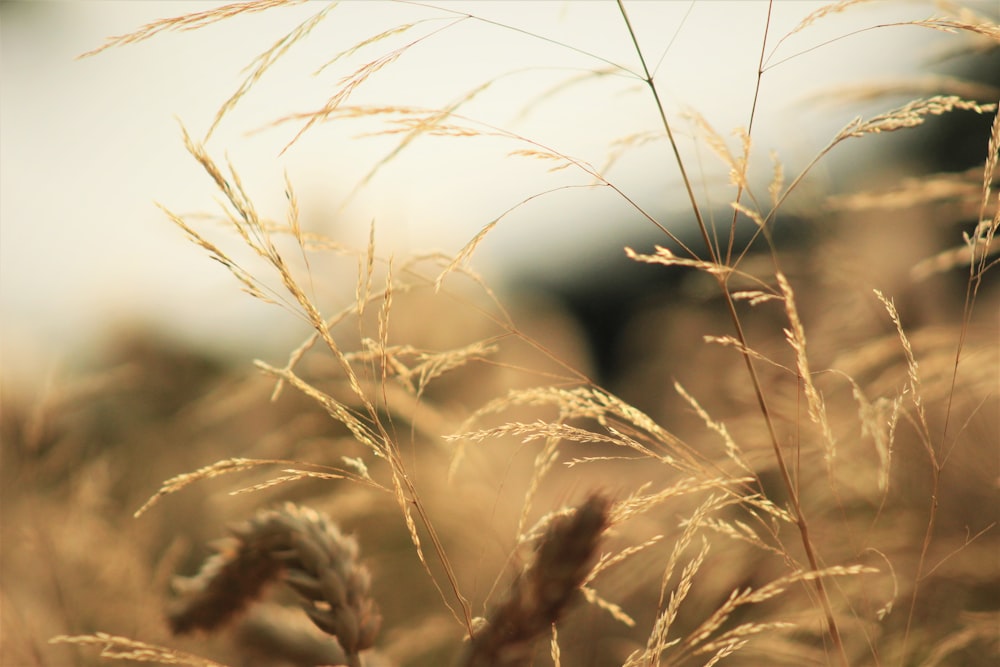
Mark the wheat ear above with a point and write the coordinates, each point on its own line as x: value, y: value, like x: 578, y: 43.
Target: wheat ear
x: 300, y: 547
x: 541, y: 594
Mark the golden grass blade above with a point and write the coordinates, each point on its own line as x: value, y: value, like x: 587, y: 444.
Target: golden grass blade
x: 737, y: 165
x: 984, y: 237
x: 363, y: 432
x: 878, y: 421
x: 374, y: 39
x: 639, y: 502
x: 657, y: 641
x: 295, y: 223
x: 817, y: 14
x: 562, y: 162
x: 972, y: 24
x: 465, y: 254
x: 912, y: 369
x: 732, y: 449
x: 426, y: 123
x: 122, y: 648
x: 738, y: 530
x: 191, y: 21
x: 607, y: 561
x: 731, y: 341
x: 796, y: 337
x: 365, y: 272
x: 992, y: 161
x: 750, y: 596
x: 291, y: 476
x: 536, y: 431
x: 677, y: 597
x: 224, y: 467
x: 777, y: 180
x: 666, y: 257
x: 250, y: 284
x: 620, y: 146
x: 544, y: 461
x: 351, y: 83
x: 911, y: 114
x: 615, y: 611
x: 383, y: 323
x: 727, y: 649
x: 757, y: 218
x: 265, y: 60
x: 563, y: 86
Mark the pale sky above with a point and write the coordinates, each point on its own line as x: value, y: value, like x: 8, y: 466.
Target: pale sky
x: 87, y: 146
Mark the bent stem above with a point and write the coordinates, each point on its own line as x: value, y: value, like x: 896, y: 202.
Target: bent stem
x: 722, y: 279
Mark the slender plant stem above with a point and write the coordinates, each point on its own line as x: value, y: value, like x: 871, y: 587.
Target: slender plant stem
x: 648, y: 80
x: 722, y: 278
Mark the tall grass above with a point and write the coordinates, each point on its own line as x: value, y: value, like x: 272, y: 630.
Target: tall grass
x: 814, y: 483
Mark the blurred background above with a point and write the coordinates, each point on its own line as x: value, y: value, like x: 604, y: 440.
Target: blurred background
x: 89, y: 145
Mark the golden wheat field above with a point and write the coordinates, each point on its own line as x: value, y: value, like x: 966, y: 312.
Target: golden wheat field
x: 793, y: 458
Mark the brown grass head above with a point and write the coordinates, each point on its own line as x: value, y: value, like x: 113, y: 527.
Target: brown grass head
x: 300, y: 548
x: 542, y: 594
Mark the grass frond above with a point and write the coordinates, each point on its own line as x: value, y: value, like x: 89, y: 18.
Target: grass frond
x: 122, y: 648
x: 192, y: 21
x: 265, y: 60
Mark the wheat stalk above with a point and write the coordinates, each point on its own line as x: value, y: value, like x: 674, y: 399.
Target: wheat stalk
x: 300, y: 547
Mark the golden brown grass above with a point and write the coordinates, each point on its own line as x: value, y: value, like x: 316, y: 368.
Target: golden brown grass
x: 806, y: 476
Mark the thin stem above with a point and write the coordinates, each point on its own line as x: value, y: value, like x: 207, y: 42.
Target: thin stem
x: 648, y: 80
x: 753, y: 115
x: 925, y: 547
x: 800, y: 519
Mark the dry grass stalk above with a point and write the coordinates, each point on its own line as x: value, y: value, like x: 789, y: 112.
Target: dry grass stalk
x: 911, y: 114
x: 303, y: 549
x: 123, y: 648
x: 265, y: 60
x: 817, y: 14
x: 541, y: 595
x: 350, y: 83
x: 732, y: 449
x: 192, y: 21
x: 796, y: 337
x: 983, y: 239
x: 625, y: 424
x: 224, y: 467
x: 658, y: 640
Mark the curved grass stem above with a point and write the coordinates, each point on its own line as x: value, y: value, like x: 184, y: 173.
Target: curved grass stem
x: 722, y: 279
